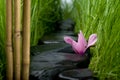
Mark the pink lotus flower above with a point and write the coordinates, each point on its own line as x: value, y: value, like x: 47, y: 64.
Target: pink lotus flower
x: 81, y: 45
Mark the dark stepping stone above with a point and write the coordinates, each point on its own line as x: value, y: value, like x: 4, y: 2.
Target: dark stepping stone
x: 77, y: 74
x: 47, y: 66
x: 67, y: 25
x: 66, y: 49
x: 36, y: 50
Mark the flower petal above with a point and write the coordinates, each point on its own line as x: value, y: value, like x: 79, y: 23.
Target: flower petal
x: 92, y: 40
x: 81, y: 40
x: 80, y: 46
x: 74, y: 46
x: 73, y: 43
x: 68, y: 40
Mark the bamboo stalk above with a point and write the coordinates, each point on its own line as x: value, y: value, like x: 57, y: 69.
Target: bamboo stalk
x: 26, y: 40
x: 9, y: 52
x: 17, y: 38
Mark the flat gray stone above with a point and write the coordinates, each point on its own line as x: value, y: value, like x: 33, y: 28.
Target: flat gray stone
x: 47, y: 65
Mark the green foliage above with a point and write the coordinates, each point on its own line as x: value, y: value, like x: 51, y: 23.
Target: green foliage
x: 1, y: 70
x: 101, y: 17
x: 44, y: 15
x: 2, y: 37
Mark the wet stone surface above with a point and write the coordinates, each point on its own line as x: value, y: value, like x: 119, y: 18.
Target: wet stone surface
x: 48, y: 65
x: 77, y: 74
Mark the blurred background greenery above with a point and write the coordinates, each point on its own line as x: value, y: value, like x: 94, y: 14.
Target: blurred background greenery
x: 91, y: 16
x: 2, y: 38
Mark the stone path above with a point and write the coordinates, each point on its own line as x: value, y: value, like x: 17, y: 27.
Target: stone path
x: 51, y: 63
x: 55, y: 60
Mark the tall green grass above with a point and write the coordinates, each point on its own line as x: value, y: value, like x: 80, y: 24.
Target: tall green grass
x: 101, y: 17
x: 44, y: 15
